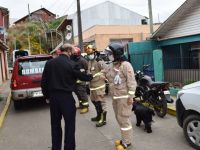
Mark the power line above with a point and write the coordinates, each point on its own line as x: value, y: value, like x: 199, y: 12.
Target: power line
x: 53, y: 4
x: 69, y: 7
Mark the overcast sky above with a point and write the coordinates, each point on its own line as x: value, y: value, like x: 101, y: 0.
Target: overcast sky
x: 162, y: 9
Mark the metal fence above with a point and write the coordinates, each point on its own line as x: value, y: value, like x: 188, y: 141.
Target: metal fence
x: 182, y: 75
x: 184, y: 70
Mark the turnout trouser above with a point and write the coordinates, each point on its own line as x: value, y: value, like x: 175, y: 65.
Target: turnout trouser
x: 123, y: 113
x: 81, y: 93
x: 62, y: 104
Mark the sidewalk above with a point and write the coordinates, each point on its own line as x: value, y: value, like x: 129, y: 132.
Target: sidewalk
x: 4, y: 99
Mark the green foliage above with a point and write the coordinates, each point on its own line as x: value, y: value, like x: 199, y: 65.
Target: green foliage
x: 186, y: 82
x: 18, y: 45
x: 55, y: 23
x: 20, y: 35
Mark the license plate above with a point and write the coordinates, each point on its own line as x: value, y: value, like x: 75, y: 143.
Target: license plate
x: 167, y: 92
x: 37, y: 94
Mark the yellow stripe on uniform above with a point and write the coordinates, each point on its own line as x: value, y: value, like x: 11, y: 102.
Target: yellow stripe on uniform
x: 79, y: 81
x: 131, y: 92
x: 126, y: 129
x: 100, y: 87
x: 119, y: 97
x: 85, y: 103
x: 97, y: 74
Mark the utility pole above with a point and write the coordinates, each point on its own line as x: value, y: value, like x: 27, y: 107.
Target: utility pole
x: 29, y: 15
x: 158, y: 18
x: 150, y: 16
x: 29, y: 42
x: 80, y: 36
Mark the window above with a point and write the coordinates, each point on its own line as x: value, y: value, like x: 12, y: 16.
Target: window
x: 31, y: 67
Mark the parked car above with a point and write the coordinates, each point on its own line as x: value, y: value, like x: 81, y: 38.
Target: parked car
x: 26, y: 78
x: 188, y: 113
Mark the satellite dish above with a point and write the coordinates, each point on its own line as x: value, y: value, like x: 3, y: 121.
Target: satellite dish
x: 68, y: 36
x: 69, y: 27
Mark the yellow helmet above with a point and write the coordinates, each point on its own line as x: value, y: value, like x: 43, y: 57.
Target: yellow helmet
x: 90, y: 49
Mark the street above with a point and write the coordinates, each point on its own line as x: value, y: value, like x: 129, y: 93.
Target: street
x: 29, y: 129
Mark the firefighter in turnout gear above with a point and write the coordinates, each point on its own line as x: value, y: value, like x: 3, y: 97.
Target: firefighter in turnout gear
x: 120, y: 76
x: 80, y: 89
x: 97, y: 85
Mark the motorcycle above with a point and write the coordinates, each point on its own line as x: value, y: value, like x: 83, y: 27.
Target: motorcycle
x: 155, y: 94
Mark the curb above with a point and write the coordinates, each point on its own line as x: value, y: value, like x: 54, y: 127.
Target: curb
x: 3, y: 114
x: 171, y: 110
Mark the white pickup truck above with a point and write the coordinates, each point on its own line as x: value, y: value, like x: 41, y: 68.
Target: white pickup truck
x: 188, y: 113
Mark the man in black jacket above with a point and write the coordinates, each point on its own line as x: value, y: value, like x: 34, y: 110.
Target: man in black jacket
x: 58, y: 82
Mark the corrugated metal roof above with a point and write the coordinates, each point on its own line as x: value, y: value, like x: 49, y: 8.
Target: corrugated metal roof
x: 106, y: 13
x: 43, y: 9
x: 175, y: 18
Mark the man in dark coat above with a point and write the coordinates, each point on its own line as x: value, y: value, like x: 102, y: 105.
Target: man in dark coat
x: 58, y: 82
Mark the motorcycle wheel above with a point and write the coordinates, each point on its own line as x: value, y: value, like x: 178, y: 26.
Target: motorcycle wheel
x: 161, y: 108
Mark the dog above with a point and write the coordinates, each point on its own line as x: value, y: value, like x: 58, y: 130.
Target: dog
x: 144, y: 114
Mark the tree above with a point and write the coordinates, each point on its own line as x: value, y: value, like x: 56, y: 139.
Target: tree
x: 19, y: 37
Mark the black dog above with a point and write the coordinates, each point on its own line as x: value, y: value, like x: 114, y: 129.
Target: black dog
x: 144, y: 114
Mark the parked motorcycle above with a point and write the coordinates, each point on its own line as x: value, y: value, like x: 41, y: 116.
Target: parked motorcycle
x: 155, y: 94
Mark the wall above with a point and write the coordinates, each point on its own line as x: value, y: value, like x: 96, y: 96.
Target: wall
x: 42, y: 14
x: 141, y: 53
x: 102, y: 34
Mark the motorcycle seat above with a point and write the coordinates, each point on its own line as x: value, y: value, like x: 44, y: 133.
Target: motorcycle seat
x: 159, y: 83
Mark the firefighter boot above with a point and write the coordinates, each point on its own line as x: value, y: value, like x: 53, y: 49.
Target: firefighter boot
x: 123, y: 146
x: 80, y: 105
x: 102, y: 121
x: 85, y: 107
x: 118, y: 142
x: 84, y: 110
x: 98, y: 117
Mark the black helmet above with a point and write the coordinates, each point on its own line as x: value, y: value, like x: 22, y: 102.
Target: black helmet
x: 117, y: 50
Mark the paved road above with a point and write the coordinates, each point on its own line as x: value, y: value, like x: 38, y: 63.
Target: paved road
x: 29, y: 129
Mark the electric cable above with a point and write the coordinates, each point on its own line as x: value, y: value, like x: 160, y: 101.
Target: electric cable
x: 69, y: 7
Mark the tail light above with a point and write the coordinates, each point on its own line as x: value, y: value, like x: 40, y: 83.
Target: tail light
x: 14, y: 83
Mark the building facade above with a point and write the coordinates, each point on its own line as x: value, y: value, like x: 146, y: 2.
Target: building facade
x: 40, y: 14
x: 108, y: 22
x: 4, y: 22
x: 102, y: 35
x: 4, y: 73
x: 178, y: 39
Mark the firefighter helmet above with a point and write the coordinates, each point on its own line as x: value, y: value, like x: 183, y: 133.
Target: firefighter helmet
x: 90, y: 49
x: 117, y: 50
x: 77, y: 51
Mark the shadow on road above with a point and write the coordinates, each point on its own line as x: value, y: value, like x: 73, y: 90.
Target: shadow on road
x: 32, y: 105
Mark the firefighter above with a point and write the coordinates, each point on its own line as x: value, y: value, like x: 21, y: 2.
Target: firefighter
x: 81, y: 85
x: 120, y: 75
x: 97, y: 85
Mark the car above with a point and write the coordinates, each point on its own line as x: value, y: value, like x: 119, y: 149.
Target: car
x: 188, y: 113
x: 26, y: 78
